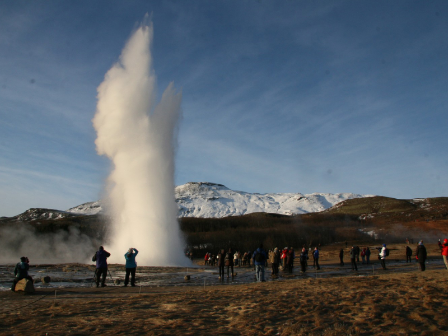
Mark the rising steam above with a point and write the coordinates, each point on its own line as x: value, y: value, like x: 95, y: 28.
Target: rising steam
x: 140, y: 137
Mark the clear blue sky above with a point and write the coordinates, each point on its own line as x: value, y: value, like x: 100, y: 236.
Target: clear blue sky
x: 278, y: 96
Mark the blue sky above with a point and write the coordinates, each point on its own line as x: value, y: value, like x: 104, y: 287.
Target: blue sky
x: 278, y: 96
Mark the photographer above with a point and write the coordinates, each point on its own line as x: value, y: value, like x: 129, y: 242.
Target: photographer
x: 101, y: 266
x: 131, y: 266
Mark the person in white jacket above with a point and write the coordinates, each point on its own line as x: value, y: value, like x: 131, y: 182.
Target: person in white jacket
x: 382, y: 255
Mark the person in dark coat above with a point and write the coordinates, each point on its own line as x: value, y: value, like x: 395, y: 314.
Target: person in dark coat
x: 290, y: 259
x: 368, y: 255
x: 421, y: 255
x: 21, y: 272
x: 101, y: 266
x: 303, y: 259
x: 221, y: 256
x: 353, y: 258
x: 408, y: 254
x: 341, y: 257
x: 229, y: 262
x: 357, y: 250
x: 259, y: 258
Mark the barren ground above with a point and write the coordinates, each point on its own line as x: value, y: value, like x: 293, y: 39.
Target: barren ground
x: 399, y: 301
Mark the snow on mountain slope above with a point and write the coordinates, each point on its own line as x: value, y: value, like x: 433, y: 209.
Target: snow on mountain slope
x: 211, y: 200
x: 90, y: 208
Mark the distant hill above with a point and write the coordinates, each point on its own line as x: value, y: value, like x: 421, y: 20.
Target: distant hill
x: 391, y: 209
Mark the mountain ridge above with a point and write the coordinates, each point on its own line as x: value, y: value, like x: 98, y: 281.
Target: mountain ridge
x: 214, y: 200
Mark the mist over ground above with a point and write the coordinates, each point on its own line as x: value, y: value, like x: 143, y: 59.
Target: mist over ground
x: 55, y: 247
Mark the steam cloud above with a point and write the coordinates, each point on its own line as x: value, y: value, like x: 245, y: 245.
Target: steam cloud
x: 140, y: 139
x: 57, y: 247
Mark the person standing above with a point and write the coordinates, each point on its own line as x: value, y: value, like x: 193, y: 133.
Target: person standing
x: 445, y: 252
x: 275, y: 261
x: 259, y: 257
x: 235, y: 259
x: 341, y: 257
x: 368, y: 255
x: 353, y: 258
x: 283, y: 257
x: 421, y: 255
x: 221, y: 256
x: 101, y: 266
x: 21, y: 272
x: 229, y: 262
x: 316, y: 258
x: 357, y: 253
x: 363, y: 255
x: 131, y: 266
x: 303, y: 259
x: 290, y: 259
x: 408, y: 254
x: 382, y: 255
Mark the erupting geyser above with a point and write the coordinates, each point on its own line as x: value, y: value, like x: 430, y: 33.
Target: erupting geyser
x: 140, y: 138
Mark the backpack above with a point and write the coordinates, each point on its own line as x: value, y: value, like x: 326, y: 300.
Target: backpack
x: 259, y: 257
x: 94, y: 257
x: 387, y: 252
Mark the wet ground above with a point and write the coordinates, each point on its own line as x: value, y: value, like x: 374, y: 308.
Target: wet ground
x: 82, y: 275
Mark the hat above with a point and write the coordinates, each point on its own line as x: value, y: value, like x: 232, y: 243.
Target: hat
x: 384, y: 245
x: 23, y: 259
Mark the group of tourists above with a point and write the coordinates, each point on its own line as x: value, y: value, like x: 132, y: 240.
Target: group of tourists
x: 283, y: 259
x: 239, y: 259
x: 100, y: 257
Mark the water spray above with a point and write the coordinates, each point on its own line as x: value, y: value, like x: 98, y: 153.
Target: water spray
x: 139, y: 136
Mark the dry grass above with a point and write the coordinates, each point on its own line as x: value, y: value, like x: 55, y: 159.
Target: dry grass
x: 397, y: 304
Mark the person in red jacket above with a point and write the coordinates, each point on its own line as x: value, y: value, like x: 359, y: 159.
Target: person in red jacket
x: 445, y: 252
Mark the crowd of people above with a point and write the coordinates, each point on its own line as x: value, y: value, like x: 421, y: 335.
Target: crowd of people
x: 258, y: 259
x: 284, y: 259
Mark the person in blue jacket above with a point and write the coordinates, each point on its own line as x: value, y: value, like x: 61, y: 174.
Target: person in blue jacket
x: 131, y: 266
x: 260, y: 258
x: 316, y: 258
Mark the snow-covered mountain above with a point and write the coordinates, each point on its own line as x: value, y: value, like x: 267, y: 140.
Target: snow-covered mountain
x: 211, y: 200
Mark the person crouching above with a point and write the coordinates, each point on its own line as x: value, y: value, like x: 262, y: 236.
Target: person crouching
x: 21, y: 272
x: 131, y: 266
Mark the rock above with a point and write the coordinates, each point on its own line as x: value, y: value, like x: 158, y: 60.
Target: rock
x: 45, y: 279
x: 25, y: 285
x: 187, y: 277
